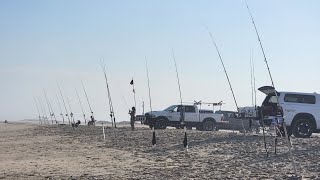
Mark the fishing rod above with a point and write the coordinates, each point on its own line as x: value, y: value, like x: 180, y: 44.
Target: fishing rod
x: 185, y: 140
x: 40, y: 122
x: 225, y: 71
x: 68, y: 101
x: 64, y: 103
x: 61, y: 112
x: 251, y: 79
x: 224, y: 68
x: 153, y: 132
x: 50, y: 113
x: 254, y: 101
x: 85, y: 92
x: 142, y: 107
x: 108, y: 92
x: 252, y: 95
x: 41, y: 110
x: 54, y: 116
x: 44, y: 112
x: 84, y: 115
x: 53, y: 113
x: 254, y: 82
x: 265, y: 59
x: 112, y: 116
x: 275, y: 92
x: 50, y: 107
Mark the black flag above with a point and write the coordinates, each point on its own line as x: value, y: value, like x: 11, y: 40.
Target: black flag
x: 131, y: 82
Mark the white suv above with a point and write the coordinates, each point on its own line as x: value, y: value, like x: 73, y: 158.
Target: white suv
x: 301, y: 111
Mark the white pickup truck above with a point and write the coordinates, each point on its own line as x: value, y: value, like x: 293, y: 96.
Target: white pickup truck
x: 204, y: 120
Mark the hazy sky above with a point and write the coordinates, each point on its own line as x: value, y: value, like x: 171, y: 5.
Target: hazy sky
x: 45, y: 42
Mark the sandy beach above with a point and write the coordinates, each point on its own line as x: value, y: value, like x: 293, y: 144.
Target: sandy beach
x: 28, y: 151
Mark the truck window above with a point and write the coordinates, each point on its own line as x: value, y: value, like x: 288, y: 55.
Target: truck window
x: 204, y: 111
x: 273, y: 99
x: 190, y: 109
x: 178, y: 108
x: 170, y: 108
x: 299, y: 98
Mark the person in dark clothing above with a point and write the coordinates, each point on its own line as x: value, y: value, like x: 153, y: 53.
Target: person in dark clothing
x: 76, y: 124
x: 92, y: 122
x: 132, y: 113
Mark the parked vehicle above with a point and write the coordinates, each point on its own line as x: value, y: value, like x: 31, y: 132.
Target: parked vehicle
x: 301, y: 111
x: 228, y: 114
x: 205, y: 120
x: 248, y: 112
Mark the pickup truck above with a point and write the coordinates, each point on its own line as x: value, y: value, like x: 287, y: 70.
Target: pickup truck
x: 299, y: 110
x: 205, y: 120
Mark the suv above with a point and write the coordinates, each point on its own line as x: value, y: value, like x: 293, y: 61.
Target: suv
x: 301, y: 111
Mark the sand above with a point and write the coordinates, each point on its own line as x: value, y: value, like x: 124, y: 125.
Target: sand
x: 28, y: 151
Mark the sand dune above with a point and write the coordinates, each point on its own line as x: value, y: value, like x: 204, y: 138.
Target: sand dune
x: 60, y: 152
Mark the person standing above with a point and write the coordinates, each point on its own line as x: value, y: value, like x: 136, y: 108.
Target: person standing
x: 132, y: 113
x: 92, y: 122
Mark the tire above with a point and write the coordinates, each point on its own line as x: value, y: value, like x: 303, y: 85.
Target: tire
x: 208, y: 126
x: 303, y: 128
x: 161, y: 124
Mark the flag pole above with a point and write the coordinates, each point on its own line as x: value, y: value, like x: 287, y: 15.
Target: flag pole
x: 134, y: 93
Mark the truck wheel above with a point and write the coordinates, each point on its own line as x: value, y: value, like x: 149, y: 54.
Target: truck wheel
x: 161, y: 124
x: 208, y: 126
x: 302, y: 128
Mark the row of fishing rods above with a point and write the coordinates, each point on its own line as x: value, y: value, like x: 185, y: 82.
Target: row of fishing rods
x: 253, y: 90
x: 185, y: 142
x: 64, y: 106
x: 42, y: 113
